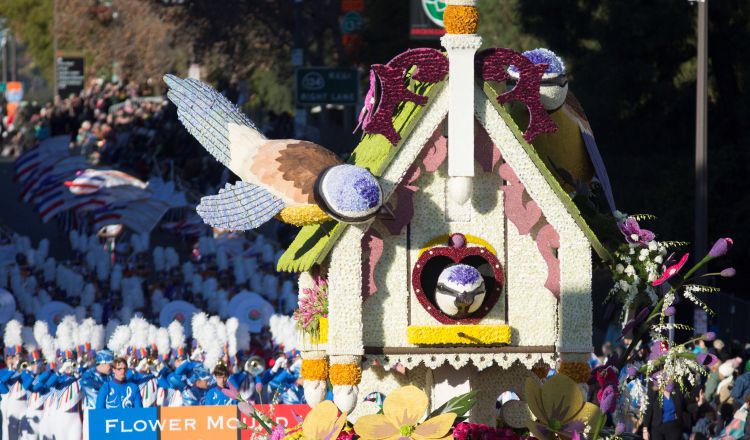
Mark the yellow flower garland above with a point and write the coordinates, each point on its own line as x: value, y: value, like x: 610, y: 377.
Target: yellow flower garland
x: 345, y: 374
x: 461, y: 19
x: 303, y: 215
x: 314, y: 369
x: 578, y: 371
x: 458, y: 334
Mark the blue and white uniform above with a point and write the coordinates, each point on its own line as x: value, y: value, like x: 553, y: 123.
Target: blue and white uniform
x: 114, y: 394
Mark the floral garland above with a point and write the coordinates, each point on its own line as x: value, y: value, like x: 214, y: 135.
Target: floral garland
x: 314, y: 369
x: 345, y: 374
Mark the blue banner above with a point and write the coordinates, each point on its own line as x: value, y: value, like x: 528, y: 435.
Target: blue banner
x: 124, y: 424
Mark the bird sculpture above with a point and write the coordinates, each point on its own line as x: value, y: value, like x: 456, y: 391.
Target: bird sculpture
x: 570, y: 152
x: 299, y: 182
x: 460, y: 291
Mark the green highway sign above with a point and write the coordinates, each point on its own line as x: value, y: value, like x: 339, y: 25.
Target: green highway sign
x: 326, y: 85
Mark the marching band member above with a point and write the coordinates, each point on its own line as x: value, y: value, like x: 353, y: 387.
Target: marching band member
x: 13, y: 403
x: 92, y: 380
x: 67, y: 393
x: 119, y: 392
x: 214, y: 395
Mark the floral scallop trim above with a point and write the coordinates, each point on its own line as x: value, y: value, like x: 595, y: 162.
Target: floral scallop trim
x: 458, y: 334
x: 345, y: 374
x: 479, y: 360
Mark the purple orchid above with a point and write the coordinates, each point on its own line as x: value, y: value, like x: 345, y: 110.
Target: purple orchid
x: 634, y: 234
x: 729, y: 272
x: 231, y: 391
x: 669, y: 311
x: 635, y: 322
x: 671, y: 271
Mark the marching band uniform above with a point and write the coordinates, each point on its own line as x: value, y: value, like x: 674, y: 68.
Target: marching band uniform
x: 91, y: 381
x: 67, y: 405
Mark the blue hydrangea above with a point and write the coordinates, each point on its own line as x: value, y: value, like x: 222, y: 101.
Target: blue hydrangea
x: 541, y: 55
x: 353, y: 189
x: 463, y: 274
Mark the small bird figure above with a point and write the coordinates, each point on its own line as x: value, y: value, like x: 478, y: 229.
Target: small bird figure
x: 299, y: 182
x: 460, y: 290
x: 570, y: 152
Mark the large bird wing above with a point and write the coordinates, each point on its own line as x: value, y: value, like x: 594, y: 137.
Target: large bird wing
x: 241, y: 206
x: 573, y: 108
x: 286, y: 169
x: 222, y: 129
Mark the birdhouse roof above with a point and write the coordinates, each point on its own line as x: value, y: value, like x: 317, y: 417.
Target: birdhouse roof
x: 375, y: 153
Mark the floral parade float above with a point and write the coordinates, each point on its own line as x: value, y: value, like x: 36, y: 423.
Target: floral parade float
x: 450, y: 260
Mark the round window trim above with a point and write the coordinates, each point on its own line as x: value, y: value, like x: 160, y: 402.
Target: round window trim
x: 458, y: 255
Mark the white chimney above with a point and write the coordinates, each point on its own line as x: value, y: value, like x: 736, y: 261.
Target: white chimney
x: 461, y: 42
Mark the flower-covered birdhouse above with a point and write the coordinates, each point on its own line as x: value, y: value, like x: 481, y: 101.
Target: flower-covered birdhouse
x: 475, y: 273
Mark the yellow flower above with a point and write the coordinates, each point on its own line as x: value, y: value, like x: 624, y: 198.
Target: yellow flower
x: 402, y: 411
x: 559, y: 408
x: 323, y: 422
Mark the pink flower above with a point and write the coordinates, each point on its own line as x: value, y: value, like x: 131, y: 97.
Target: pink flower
x: 231, y: 391
x: 671, y: 271
x: 278, y: 432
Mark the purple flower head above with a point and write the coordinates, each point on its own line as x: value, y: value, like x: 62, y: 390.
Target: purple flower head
x: 541, y: 55
x: 353, y: 189
x: 457, y: 240
x: 721, y: 247
x: 634, y: 234
x: 729, y: 272
x: 463, y: 274
x: 607, y: 399
x: 669, y: 311
x: 620, y: 428
x: 632, y: 371
x: 708, y: 337
x: 706, y: 359
x: 635, y: 322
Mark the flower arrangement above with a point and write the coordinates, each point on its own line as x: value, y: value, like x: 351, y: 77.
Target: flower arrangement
x: 313, y: 306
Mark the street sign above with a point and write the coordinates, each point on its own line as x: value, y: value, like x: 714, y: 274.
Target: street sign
x: 427, y: 19
x: 351, y: 22
x: 325, y: 85
x: 69, y: 75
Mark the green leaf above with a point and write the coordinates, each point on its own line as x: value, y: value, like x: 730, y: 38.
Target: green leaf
x: 458, y: 405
